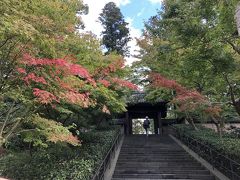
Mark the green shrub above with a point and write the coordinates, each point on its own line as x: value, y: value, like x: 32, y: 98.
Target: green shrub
x: 60, y: 161
x: 228, y: 145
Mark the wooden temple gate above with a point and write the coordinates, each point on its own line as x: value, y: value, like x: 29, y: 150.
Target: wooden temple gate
x: 155, y: 111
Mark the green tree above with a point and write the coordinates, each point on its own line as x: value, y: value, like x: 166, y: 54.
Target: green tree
x: 116, y: 32
x: 195, y: 43
x: 34, y: 27
x: 45, y: 32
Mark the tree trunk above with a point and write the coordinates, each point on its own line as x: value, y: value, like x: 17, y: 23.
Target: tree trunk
x: 237, y: 106
x: 235, y: 102
x: 2, y: 150
x: 237, y: 16
x: 219, y: 123
x: 100, y: 120
x: 191, y: 122
x: 219, y: 129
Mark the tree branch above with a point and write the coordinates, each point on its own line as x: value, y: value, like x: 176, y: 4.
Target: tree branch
x: 235, y: 47
x: 230, y: 89
x: 6, y: 119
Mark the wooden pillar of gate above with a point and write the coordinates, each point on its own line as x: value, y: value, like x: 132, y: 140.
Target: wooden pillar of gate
x: 128, y: 124
x: 156, y: 125
x: 159, y: 117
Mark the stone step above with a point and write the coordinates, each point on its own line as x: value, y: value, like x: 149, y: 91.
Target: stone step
x: 151, y: 147
x: 157, y: 171
x: 153, y: 154
x: 148, y: 179
x: 165, y: 176
x: 157, y: 165
x: 150, y: 151
x: 161, y: 168
x: 156, y: 158
x: 131, y: 145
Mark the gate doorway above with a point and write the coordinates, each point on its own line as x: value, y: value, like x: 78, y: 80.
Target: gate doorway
x: 155, y: 112
x: 137, y: 126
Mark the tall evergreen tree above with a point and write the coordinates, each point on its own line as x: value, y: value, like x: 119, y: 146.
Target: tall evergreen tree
x: 116, y: 32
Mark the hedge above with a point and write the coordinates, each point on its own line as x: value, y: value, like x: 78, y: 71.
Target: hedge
x: 60, y: 161
x: 229, y: 145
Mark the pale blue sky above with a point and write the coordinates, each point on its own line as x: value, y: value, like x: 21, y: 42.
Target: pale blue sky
x: 139, y: 11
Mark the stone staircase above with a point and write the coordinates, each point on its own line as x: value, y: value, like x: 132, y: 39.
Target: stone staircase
x: 156, y: 157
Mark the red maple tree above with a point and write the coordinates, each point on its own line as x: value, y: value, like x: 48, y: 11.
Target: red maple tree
x: 46, y: 78
x: 56, y: 80
x: 107, y: 77
x: 187, y: 101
